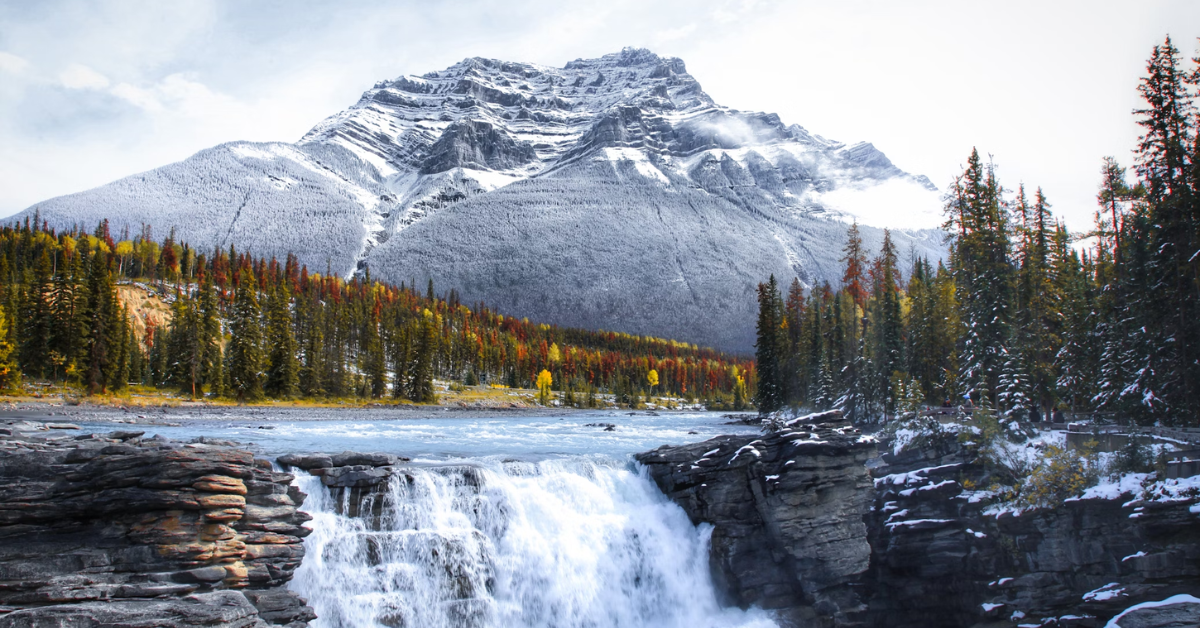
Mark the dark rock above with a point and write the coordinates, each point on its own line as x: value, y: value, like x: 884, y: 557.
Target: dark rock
x: 356, y: 476
x: 787, y: 513
x: 799, y: 529
x: 1182, y: 615
x: 347, y: 458
x: 305, y: 461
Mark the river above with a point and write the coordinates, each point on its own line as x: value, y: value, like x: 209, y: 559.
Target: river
x: 506, y: 521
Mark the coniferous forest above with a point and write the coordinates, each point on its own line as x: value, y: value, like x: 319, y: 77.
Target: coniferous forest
x: 1022, y: 319
x: 246, y: 328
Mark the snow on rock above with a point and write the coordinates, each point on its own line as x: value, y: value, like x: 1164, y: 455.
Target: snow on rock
x: 508, y: 181
x: 1107, y: 592
x: 1182, y: 598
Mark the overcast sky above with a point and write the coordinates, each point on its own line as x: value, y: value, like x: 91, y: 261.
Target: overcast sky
x: 93, y: 91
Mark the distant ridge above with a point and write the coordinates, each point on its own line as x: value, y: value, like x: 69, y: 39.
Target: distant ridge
x: 611, y: 193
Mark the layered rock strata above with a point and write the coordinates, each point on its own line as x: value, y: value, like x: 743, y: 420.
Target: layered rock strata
x: 116, y: 530
x: 940, y: 557
x: 787, y: 510
x: 801, y: 526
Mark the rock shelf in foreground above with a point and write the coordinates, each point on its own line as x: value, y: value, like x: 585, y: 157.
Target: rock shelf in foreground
x: 802, y: 526
x: 116, y: 530
x: 787, y: 511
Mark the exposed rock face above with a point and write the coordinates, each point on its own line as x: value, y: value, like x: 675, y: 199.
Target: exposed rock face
x: 787, y: 511
x: 543, y: 192
x: 937, y: 560
x: 796, y: 525
x: 116, y: 530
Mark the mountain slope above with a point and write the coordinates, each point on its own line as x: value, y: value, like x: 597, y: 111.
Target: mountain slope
x: 609, y: 193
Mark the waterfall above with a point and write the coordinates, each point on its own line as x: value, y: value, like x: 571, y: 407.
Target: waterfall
x: 557, y: 544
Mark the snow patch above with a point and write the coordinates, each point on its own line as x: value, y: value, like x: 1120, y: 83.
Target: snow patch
x: 1182, y: 598
x: 1107, y: 592
x: 252, y: 152
x: 640, y: 162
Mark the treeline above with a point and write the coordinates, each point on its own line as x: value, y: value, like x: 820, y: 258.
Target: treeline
x: 1018, y: 320
x: 243, y: 328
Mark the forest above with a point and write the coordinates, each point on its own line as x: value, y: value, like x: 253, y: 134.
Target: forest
x: 1022, y: 319
x: 244, y: 328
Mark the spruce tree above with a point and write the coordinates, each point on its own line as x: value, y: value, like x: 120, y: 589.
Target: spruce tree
x: 283, y: 368
x: 421, y: 382
x: 769, y: 395
x: 244, y: 359
x: 983, y: 274
x: 209, y: 331
x: 37, y: 320
x: 888, y: 352
x: 101, y: 315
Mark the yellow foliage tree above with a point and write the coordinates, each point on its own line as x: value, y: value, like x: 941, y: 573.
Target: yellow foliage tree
x: 555, y: 354
x: 544, y: 382
x: 9, y: 375
x: 652, y: 379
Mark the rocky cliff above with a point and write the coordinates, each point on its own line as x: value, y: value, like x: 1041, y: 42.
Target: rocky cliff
x: 116, y: 530
x: 802, y: 527
x: 787, y: 511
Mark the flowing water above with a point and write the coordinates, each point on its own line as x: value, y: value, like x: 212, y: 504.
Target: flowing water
x: 500, y: 522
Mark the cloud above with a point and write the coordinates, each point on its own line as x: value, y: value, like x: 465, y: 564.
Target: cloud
x: 79, y: 76
x: 674, y: 33
x: 12, y: 64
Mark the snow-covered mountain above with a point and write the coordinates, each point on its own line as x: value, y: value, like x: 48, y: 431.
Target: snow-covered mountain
x: 611, y: 193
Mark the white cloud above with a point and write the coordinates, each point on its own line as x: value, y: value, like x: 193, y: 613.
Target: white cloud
x: 672, y: 34
x: 12, y: 64
x: 79, y: 76
x: 196, y: 73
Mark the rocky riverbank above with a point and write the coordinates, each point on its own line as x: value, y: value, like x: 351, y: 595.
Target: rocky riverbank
x: 801, y: 525
x: 116, y: 530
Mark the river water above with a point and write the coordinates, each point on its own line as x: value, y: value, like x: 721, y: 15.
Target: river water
x: 499, y: 522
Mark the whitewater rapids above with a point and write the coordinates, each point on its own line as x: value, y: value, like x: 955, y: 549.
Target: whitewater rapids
x: 581, y: 542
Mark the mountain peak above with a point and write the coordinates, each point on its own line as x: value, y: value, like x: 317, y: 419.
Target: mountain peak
x: 509, y: 181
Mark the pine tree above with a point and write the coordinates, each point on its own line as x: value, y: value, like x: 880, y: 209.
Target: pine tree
x: 1165, y: 298
x: 769, y: 396
x: 888, y: 323
x: 67, y: 304
x: 983, y: 273
x: 283, y: 368
x: 101, y: 317
x: 37, y: 320
x: 421, y: 383
x: 209, y: 331
x: 244, y: 359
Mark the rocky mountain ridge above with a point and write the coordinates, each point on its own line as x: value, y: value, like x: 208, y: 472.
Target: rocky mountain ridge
x: 573, y: 195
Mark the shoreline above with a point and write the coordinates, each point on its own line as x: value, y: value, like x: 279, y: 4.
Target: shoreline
x: 58, y: 411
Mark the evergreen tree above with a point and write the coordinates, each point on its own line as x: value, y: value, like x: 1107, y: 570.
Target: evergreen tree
x: 888, y: 352
x: 209, y: 331
x: 283, y: 368
x: 982, y: 272
x: 37, y: 320
x: 103, y: 332
x: 421, y: 383
x: 769, y: 396
x: 244, y: 359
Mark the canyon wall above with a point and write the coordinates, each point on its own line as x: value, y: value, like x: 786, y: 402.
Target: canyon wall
x: 116, y: 530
